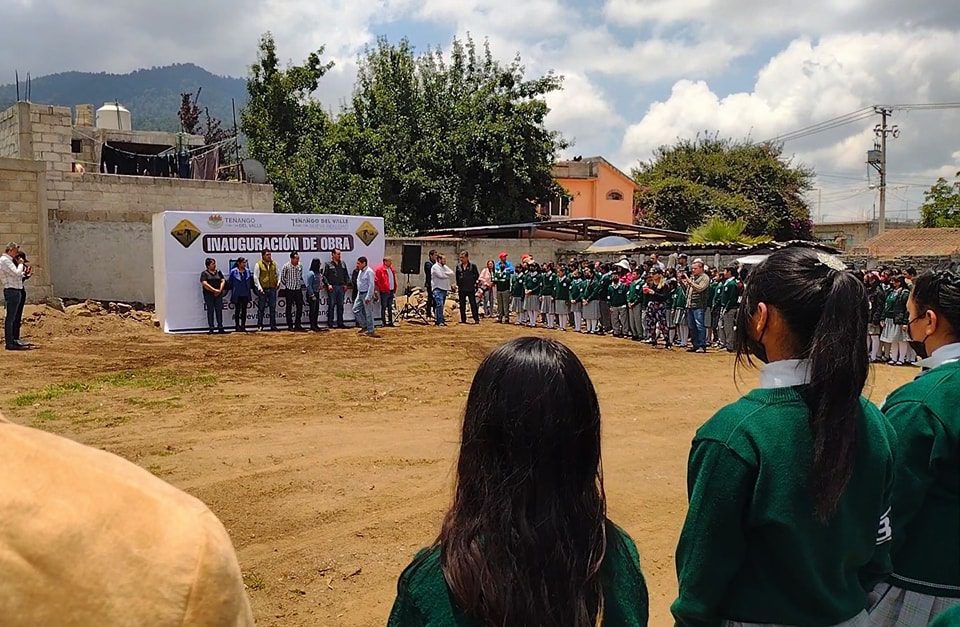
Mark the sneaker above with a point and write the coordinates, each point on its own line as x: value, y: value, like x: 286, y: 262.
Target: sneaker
x: 701, y: 350
x: 691, y: 349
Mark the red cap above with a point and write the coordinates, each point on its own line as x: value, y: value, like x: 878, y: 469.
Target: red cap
x: 502, y: 254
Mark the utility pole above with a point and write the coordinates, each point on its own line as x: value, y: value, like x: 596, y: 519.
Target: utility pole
x: 878, y: 159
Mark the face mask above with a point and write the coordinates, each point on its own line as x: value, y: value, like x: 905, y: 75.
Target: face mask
x: 756, y: 347
x: 918, y: 346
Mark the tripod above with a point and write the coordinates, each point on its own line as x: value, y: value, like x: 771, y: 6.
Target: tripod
x: 416, y: 310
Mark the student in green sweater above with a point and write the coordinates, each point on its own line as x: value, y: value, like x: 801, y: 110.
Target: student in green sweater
x: 576, y: 300
x: 562, y: 297
x: 527, y: 541
x: 926, y: 495
x: 548, y: 290
x: 617, y: 297
x: 532, y: 282
x: 790, y: 486
x: 516, y: 293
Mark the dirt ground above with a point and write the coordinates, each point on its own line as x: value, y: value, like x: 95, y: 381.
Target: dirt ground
x: 330, y: 457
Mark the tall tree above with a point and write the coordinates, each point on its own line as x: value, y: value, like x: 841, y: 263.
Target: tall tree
x: 425, y: 142
x: 941, y: 206
x: 189, y: 113
x: 694, y: 180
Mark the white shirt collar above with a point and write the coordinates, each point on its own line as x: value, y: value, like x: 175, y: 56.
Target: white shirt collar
x: 785, y: 373
x: 943, y: 355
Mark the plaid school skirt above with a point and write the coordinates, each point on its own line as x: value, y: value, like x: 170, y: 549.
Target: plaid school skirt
x: 531, y: 302
x: 516, y: 304
x: 576, y: 306
x: 891, y: 332
x: 562, y: 307
x: 902, y: 608
x: 546, y: 305
x: 678, y: 317
x: 591, y: 311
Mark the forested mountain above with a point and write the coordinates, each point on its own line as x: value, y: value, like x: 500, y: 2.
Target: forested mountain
x: 152, y: 95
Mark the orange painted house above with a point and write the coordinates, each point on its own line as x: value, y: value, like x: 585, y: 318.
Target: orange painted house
x: 597, y: 189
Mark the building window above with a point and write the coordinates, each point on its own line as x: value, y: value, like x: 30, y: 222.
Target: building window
x: 614, y: 194
x: 558, y: 207
x: 74, y: 146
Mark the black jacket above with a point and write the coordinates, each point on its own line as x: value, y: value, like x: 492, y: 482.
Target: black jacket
x: 427, y: 266
x: 467, y: 277
x: 336, y: 274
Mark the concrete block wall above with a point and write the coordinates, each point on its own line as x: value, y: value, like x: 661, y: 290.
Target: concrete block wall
x: 920, y: 263
x: 102, y: 223
x: 10, y: 133
x: 23, y: 219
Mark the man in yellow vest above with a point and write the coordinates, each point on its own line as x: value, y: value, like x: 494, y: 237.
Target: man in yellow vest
x: 266, y: 277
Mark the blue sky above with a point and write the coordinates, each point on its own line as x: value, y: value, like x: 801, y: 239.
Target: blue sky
x: 638, y: 73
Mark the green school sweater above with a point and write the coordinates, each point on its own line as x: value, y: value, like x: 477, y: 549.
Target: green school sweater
x: 423, y: 597
x: 635, y: 293
x: 679, y: 300
x: 712, y: 290
x: 926, y: 494
x: 729, y: 294
x: 592, y: 289
x: 501, y: 278
x: 563, y: 287
x: 532, y: 282
x: 606, y: 280
x: 576, y: 289
x: 895, y: 306
x: 516, y: 284
x: 751, y: 548
x: 950, y: 618
x: 548, y: 284
x: 617, y: 294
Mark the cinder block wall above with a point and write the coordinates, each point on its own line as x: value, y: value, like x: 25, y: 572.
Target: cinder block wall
x: 23, y: 218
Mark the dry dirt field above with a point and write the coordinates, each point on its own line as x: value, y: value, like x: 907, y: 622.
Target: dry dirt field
x: 329, y: 457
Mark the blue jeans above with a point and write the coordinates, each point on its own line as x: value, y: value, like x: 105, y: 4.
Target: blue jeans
x: 214, y: 306
x: 14, y: 313
x: 267, y: 299
x: 335, y: 306
x: 386, y: 307
x: 695, y: 320
x: 439, y: 298
x: 364, y: 313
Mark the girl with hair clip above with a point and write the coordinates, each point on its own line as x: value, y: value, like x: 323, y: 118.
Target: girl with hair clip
x: 894, y: 317
x: 789, y: 487
x: 592, y: 286
x: 527, y: 541
x: 532, y: 283
x: 926, y: 495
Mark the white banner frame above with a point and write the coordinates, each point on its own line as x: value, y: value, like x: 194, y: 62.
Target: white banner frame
x: 182, y: 240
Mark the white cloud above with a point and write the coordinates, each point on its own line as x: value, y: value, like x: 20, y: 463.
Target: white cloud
x: 809, y: 82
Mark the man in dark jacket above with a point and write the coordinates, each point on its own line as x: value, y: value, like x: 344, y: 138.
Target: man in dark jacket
x: 338, y: 281
x: 467, y: 277
x: 428, y: 284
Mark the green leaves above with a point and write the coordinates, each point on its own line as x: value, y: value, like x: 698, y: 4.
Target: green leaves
x: 941, y: 207
x: 694, y: 180
x: 718, y: 230
x: 426, y: 141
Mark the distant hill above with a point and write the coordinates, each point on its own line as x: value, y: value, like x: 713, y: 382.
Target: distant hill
x: 153, y: 95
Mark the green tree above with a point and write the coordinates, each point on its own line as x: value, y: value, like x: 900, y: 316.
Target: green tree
x: 425, y: 141
x: 706, y: 177
x: 941, y: 206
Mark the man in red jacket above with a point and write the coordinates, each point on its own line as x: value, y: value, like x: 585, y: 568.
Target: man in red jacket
x: 385, y: 278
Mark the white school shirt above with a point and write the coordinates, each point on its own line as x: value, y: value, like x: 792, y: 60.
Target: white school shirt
x: 11, y: 275
x: 943, y: 355
x: 785, y: 373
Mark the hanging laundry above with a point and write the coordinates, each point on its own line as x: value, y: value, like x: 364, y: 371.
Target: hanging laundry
x: 205, y: 166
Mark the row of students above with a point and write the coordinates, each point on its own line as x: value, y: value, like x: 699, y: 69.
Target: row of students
x: 887, y: 294
x: 645, y: 304
x: 808, y: 505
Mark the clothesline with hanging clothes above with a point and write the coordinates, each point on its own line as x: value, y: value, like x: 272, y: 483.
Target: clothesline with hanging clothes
x: 202, y: 163
x: 170, y: 150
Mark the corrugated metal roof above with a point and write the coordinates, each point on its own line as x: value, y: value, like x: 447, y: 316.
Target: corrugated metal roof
x: 912, y: 243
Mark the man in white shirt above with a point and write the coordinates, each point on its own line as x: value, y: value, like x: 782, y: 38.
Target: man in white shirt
x: 365, y: 298
x: 291, y: 288
x: 440, y: 276
x: 11, y: 276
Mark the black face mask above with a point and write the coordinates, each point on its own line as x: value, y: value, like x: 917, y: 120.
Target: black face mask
x: 756, y: 347
x: 918, y: 346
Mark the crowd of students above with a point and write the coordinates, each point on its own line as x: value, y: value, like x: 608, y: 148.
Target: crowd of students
x: 688, y: 306
x: 888, y: 290
x: 808, y: 505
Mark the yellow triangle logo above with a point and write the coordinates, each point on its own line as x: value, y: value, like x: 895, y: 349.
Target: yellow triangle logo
x: 367, y: 232
x: 185, y: 232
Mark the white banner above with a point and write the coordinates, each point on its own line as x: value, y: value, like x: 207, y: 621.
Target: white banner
x: 182, y: 240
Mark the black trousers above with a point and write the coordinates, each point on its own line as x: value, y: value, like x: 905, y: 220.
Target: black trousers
x: 430, y: 305
x: 470, y: 295
x: 294, y: 298
x: 240, y: 312
x: 313, y: 309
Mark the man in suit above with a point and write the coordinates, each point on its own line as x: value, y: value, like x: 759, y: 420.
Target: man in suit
x: 427, y: 267
x: 467, y: 277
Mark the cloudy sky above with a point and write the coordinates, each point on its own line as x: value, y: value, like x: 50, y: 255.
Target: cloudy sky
x: 638, y: 73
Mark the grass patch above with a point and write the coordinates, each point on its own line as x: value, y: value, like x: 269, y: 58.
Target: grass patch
x: 254, y: 581
x: 141, y: 379
x: 154, y: 403
x: 349, y: 375
x: 46, y: 414
x: 155, y: 469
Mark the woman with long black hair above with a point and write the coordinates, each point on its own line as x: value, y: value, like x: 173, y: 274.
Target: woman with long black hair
x: 790, y: 486
x: 527, y: 541
x: 926, y: 496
